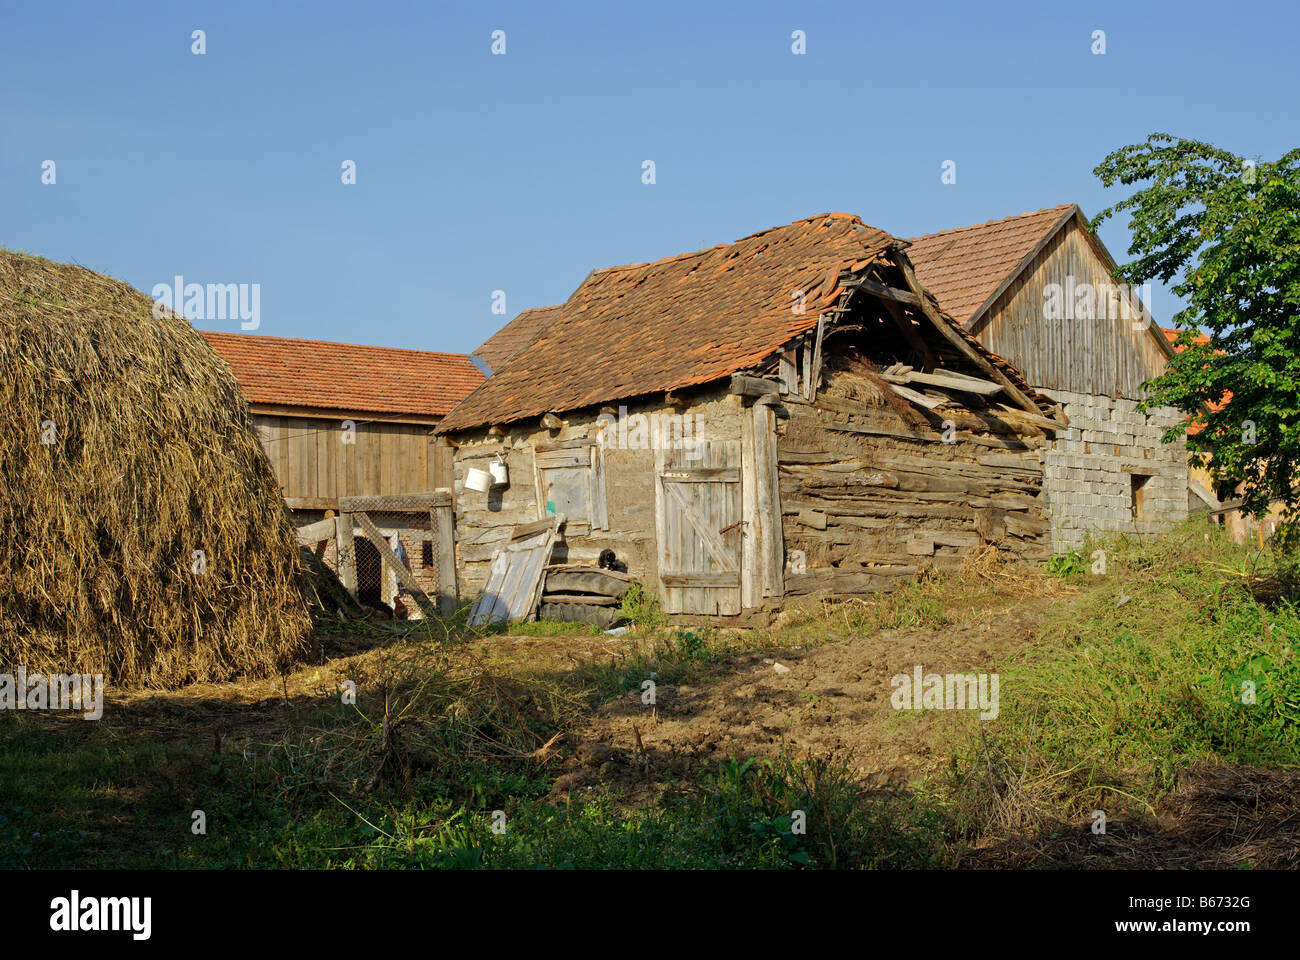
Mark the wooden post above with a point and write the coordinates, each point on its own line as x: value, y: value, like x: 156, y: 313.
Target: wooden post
x: 771, y: 539
x: 442, y: 521
x: 347, y: 554
x: 816, y: 379
x: 751, y: 591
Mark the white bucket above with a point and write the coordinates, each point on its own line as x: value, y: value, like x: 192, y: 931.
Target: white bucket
x: 499, y: 472
x: 478, y: 479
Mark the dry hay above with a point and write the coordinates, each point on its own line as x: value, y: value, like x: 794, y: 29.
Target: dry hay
x: 154, y: 457
x: 419, y: 710
x: 854, y: 377
x: 1218, y: 817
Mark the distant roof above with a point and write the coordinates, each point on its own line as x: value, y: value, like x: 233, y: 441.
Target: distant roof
x: 340, y: 376
x: 1172, y: 333
x: 505, y: 343
x: 966, y: 266
x: 1200, y: 340
x: 682, y: 321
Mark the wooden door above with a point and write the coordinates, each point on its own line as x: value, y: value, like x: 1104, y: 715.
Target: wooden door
x: 698, y: 523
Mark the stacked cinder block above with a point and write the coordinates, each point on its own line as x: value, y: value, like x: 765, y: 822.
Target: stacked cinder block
x: 1089, y: 470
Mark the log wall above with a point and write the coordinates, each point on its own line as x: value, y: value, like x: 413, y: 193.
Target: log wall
x: 869, y: 497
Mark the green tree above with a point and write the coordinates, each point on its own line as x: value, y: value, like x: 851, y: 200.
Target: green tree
x: 1226, y: 231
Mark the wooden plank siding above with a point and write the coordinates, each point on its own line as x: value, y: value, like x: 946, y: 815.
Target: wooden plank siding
x: 311, y: 461
x: 698, y: 509
x: 1100, y: 355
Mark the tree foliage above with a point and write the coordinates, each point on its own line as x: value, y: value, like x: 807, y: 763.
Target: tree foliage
x: 1226, y: 232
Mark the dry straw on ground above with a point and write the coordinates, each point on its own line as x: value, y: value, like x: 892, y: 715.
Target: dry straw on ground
x: 153, y: 458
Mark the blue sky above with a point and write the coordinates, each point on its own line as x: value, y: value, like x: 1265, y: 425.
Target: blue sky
x: 522, y: 172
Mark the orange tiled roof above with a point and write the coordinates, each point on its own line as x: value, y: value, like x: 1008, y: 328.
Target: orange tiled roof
x: 678, y: 322
x: 505, y: 343
x: 341, y: 376
x: 965, y: 266
x: 1171, y: 334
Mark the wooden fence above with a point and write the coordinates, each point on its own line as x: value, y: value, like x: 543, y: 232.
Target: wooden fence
x: 354, y: 516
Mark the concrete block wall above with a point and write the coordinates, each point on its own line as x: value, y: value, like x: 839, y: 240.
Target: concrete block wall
x: 1088, y: 469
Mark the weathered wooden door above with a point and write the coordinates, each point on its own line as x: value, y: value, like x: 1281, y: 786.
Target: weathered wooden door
x: 698, y: 524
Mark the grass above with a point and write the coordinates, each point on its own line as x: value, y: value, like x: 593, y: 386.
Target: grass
x: 1135, y: 683
x: 446, y: 761
x: 550, y: 628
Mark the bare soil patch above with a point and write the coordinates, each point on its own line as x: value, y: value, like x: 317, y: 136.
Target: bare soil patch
x: 830, y: 700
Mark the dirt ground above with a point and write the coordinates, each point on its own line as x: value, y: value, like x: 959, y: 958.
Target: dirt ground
x: 833, y: 699
x: 829, y: 699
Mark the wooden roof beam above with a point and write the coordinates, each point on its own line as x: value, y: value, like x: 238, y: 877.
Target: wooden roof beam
x: 960, y: 342
x: 752, y: 386
x: 887, y: 293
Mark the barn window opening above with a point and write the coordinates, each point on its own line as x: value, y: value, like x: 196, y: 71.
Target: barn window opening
x: 566, y: 490
x: 426, y: 554
x: 1137, y: 494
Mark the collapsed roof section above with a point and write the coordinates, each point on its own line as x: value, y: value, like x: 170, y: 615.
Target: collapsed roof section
x: 697, y: 318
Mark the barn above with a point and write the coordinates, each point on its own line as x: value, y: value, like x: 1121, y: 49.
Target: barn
x: 345, y: 424
x: 792, y: 413
x: 1038, y: 289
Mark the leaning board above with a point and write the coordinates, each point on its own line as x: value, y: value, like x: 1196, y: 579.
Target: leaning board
x: 515, y: 579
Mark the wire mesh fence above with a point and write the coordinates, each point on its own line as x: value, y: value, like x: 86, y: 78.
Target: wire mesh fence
x: 410, y: 537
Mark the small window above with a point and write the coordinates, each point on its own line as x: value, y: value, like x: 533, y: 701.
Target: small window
x: 426, y: 554
x: 571, y: 480
x: 1137, y: 494
x: 567, y: 490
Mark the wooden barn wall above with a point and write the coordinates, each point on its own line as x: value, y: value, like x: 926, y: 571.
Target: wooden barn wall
x: 1094, y: 366
x: 485, y: 519
x: 312, y: 462
x: 868, y: 498
x: 1099, y: 355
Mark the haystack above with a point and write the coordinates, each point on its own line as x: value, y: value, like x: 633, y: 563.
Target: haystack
x: 145, y: 537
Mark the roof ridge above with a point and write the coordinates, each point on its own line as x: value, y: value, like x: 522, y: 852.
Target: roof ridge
x: 718, y: 246
x: 1062, y: 207
x: 262, y: 337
